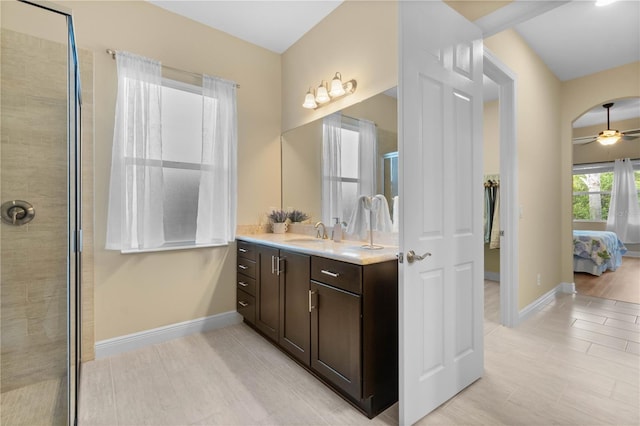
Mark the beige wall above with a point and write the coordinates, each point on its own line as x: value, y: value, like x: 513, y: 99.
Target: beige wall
x: 577, y: 97
x: 359, y: 39
x: 143, y: 291
x: 538, y: 147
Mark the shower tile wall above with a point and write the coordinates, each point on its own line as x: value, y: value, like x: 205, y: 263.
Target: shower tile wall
x: 33, y: 168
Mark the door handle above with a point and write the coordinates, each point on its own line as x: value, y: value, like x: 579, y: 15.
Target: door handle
x: 412, y: 256
x: 311, y: 305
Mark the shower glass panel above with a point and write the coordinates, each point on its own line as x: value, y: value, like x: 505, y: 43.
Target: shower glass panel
x: 39, y: 194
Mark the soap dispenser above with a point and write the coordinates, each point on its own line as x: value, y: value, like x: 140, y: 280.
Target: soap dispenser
x: 337, y: 230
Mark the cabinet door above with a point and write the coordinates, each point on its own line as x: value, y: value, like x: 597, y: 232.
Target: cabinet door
x: 267, y: 292
x: 295, y: 323
x: 335, y: 337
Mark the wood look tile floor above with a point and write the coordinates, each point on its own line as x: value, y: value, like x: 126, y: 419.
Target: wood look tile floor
x: 574, y: 361
x: 623, y: 284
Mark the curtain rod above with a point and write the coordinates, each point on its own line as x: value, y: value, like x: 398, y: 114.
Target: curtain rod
x: 194, y: 74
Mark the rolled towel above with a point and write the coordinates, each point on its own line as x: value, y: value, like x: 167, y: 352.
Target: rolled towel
x: 359, y: 222
x: 396, y: 214
x: 381, y: 214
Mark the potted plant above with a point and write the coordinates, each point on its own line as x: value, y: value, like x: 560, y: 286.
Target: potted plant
x: 297, y: 216
x: 278, y: 220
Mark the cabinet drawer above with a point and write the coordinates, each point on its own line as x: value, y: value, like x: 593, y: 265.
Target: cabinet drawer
x: 246, y: 250
x: 246, y: 306
x: 345, y: 276
x: 247, y: 267
x: 247, y: 284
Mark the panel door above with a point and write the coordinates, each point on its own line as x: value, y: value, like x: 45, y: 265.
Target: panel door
x: 441, y: 296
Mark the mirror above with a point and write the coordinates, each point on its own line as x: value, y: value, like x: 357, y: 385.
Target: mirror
x: 302, y: 155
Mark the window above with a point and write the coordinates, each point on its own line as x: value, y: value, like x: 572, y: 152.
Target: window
x: 181, y: 159
x: 592, y: 185
x: 173, y: 170
x: 349, y: 169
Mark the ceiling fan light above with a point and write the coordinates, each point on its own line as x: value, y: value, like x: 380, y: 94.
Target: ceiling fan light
x: 609, y: 137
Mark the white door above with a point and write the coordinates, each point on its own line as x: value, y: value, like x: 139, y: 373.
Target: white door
x: 441, y: 296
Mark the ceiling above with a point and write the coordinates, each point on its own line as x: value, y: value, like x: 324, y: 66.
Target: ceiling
x: 574, y: 38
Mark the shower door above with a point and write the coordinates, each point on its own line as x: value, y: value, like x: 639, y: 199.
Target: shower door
x: 39, y: 189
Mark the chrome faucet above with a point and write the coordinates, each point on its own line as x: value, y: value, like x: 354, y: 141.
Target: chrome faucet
x: 322, y: 235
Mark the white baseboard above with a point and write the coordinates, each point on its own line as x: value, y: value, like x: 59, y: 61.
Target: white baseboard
x: 129, y: 342
x: 632, y: 254
x: 544, y: 299
x: 569, y: 288
x: 492, y: 276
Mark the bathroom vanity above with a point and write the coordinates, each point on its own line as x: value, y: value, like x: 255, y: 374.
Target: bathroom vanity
x: 332, y: 307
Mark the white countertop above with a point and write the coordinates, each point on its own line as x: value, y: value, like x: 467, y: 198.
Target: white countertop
x: 346, y: 250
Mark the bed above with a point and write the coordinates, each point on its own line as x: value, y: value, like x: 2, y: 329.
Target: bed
x: 596, y: 251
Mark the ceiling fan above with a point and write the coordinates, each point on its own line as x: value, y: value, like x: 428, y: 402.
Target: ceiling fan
x: 608, y: 136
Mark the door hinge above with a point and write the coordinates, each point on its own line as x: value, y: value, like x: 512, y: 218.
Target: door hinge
x: 400, y: 257
x: 502, y: 233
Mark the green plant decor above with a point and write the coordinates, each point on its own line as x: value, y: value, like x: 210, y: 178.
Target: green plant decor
x: 298, y: 216
x: 278, y: 216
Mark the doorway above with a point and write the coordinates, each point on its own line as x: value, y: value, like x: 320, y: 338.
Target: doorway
x: 499, y: 73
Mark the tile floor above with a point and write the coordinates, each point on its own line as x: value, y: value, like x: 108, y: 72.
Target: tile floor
x: 575, y: 361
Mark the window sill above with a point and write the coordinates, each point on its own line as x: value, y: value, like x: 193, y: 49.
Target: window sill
x: 174, y: 246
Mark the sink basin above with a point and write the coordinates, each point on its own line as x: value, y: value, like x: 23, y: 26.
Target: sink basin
x: 306, y: 240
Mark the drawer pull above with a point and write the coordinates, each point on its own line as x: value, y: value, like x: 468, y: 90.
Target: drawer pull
x: 243, y: 304
x: 331, y: 274
x: 243, y: 284
x: 243, y: 267
x: 241, y: 250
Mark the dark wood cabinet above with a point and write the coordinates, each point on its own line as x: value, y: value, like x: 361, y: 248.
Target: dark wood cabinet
x: 335, y: 334
x: 268, y: 292
x: 294, y: 336
x: 245, y: 282
x: 338, y: 319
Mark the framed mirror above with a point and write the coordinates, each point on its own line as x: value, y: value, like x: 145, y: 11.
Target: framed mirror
x: 302, y: 156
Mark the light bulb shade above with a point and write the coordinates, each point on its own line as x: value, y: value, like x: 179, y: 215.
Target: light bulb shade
x: 309, y: 101
x: 336, y: 86
x: 321, y: 95
x: 609, y: 137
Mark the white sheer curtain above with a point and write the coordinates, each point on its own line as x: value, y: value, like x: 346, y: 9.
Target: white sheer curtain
x: 135, y: 216
x: 331, y: 165
x: 216, y: 222
x: 367, y: 152
x: 624, y: 213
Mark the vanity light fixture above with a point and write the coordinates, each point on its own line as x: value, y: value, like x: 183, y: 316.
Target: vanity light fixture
x: 324, y: 95
x: 604, y: 2
x: 609, y: 136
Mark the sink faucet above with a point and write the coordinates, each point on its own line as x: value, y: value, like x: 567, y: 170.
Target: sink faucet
x: 322, y: 235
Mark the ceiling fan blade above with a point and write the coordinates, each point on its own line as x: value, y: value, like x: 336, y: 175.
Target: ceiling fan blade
x: 584, y: 140
x: 630, y: 137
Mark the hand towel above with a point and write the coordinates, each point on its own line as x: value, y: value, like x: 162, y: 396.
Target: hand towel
x: 396, y: 214
x: 359, y: 222
x: 382, y: 219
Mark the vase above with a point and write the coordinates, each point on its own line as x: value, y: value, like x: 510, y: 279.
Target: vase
x: 279, y: 228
